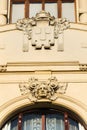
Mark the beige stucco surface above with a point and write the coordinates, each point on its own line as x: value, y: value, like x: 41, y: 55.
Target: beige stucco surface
x: 43, y: 64
x: 75, y: 44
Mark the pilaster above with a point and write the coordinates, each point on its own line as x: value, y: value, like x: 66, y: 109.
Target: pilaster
x: 82, y: 11
x: 3, y: 12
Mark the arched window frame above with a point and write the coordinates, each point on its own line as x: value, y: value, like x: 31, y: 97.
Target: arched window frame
x: 67, y: 115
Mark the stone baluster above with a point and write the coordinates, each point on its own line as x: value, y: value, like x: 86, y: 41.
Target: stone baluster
x: 3, y: 12
x: 83, y: 11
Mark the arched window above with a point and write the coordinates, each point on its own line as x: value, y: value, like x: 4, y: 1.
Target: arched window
x: 43, y: 119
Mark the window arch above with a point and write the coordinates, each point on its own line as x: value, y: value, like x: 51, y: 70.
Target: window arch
x: 44, y: 119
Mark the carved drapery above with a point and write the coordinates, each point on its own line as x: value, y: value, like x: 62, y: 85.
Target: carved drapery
x: 37, y: 90
x: 42, y: 30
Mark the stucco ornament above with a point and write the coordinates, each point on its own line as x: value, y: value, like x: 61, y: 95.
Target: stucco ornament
x: 38, y: 90
x: 60, y: 25
x: 42, y: 30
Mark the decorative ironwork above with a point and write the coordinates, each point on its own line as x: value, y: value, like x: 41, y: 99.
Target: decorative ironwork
x: 37, y: 90
x: 51, y: 123
x: 36, y: 123
x: 42, y: 30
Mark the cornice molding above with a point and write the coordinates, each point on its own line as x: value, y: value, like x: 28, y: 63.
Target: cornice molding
x: 39, y: 66
x: 55, y: 67
x: 7, y: 28
x: 38, y: 63
x: 73, y: 26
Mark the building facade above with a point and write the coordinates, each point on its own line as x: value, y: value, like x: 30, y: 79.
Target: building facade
x: 43, y: 66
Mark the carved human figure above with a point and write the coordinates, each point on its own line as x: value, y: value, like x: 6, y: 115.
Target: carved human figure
x: 37, y: 90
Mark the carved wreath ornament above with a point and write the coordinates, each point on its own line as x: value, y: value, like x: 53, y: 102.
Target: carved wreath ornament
x: 37, y: 90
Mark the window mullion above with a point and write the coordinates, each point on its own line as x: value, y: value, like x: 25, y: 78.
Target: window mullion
x: 10, y: 11
x: 43, y: 122
x: 66, y: 121
x: 43, y: 4
x: 59, y: 7
x: 75, y: 11
x: 20, y: 121
x: 27, y: 3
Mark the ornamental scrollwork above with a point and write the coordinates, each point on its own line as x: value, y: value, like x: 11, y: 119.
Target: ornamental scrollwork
x: 60, y: 25
x: 42, y: 30
x: 37, y: 90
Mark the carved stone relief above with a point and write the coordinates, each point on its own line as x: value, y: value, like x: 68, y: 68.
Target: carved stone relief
x: 42, y: 30
x: 37, y: 90
x: 3, y: 68
x: 83, y: 67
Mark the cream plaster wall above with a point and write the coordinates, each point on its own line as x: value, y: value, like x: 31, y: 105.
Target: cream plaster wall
x: 74, y: 99
x: 19, y: 66
x: 11, y: 44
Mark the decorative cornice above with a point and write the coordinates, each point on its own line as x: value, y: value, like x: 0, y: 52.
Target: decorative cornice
x: 74, y: 66
x: 73, y: 26
x: 38, y: 90
x: 38, y: 63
